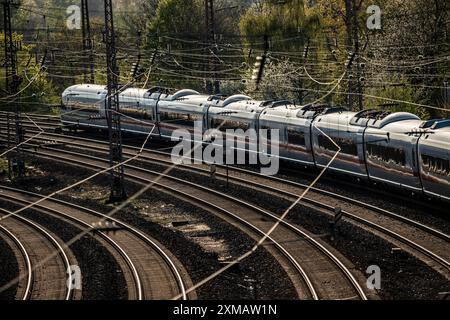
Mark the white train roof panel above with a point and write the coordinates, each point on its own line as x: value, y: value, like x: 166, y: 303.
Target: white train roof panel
x: 380, y: 118
x: 183, y: 94
x: 403, y: 126
x: 340, y: 118
x: 134, y: 93
x: 235, y: 98
x: 86, y: 88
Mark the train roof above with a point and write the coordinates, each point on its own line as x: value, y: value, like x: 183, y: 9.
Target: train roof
x: 134, y: 93
x: 441, y: 125
x: 403, y: 126
x: 380, y: 118
x: 341, y: 117
x: 274, y: 110
x: 437, y: 133
x: 290, y: 110
x: 164, y: 94
x: 241, y: 108
x: 243, y: 103
x: 86, y: 88
x: 312, y: 111
x: 234, y: 99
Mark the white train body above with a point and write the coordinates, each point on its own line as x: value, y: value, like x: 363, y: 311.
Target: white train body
x: 393, y: 148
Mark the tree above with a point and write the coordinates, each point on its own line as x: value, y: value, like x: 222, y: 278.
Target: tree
x: 345, y: 21
x: 412, y: 51
x: 186, y: 57
x: 36, y: 91
x: 279, y: 19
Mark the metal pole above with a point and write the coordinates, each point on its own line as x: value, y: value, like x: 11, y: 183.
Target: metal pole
x: 89, y: 70
x: 12, y: 84
x: 446, y: 95
x: 112, y: 109
x: 10, y: 59
x: 8, y: 126
x: 213, y: 87
x: 20, y: 163
x: 349, y: 30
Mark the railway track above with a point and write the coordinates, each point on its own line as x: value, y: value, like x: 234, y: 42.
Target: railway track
x: 432, y: 245
x: 340, y: 282
x: 23, y: 259
x: 429, y: 244
x: 149, y: 270
x: 53, y: 122
x: 40, y: 281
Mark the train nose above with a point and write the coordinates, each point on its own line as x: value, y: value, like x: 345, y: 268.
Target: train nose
x: 65, y: 95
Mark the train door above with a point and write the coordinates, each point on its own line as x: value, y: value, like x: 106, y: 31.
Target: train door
x: 434, y: 161
x: 391, y: 158
x: 336, y: 130
x: 296, y: 142
x: 158, y: 117
x: 131, y: 116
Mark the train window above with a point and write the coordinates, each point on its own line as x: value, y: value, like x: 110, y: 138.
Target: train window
x: 268, y: 130
x: 386, y: 154
x: 326, y: 144
x: 224, y: 124
x: 242, y: 125
x: 84, y: 107
x: 436, y: 165
x: 137, y: 113
x: 348, y: 146
x: 182, y: 119
x: 296, y: 137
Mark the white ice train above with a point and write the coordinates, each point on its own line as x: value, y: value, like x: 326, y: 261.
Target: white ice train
x: 398, y: 149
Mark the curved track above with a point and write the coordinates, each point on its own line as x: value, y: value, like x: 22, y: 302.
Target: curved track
x: 149, y: 270
x: 331, y: 278
x: 47, y: 262
x: 427, y: 243
x: 24, y: 263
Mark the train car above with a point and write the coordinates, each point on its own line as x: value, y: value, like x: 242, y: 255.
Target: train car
x: 85, y: 105
x: 295, y: 126
x: 82, y: 105
x: 180, y: 111
x: 233, y: 117
x: 137, y: 111
x: 335, y: 126
x: 434, y: 158
x: 394, y: 148
x: 390, y: 149
x: 291, y: 137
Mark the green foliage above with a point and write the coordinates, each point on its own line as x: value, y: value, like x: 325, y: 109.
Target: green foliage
x: 281, y: 82
x: 174, y: 20
x: 229, y: 88
x: 402, y: 92
x: 35, y: 91
x: 178, y: 16
x: 3, y: 165
x: 176, y: 28
x: 279, y: 20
